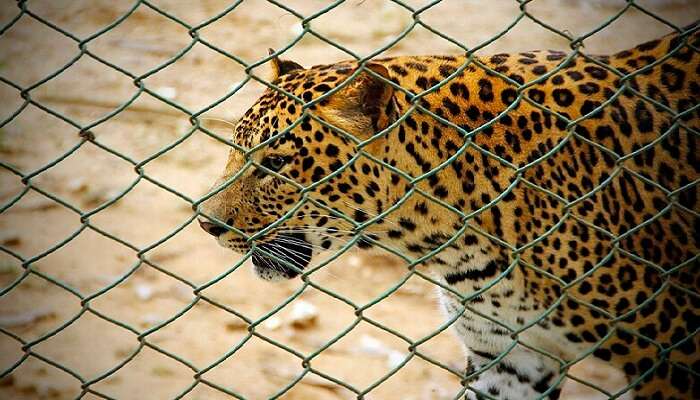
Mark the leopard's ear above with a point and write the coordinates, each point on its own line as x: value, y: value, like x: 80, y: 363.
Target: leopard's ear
x: 281, y: 67
x: 363, y: 106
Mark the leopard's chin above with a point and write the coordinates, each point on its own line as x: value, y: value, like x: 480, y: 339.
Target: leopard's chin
x: 293, y: 249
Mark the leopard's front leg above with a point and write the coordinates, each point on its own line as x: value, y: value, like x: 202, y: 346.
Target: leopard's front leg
x: 522, y: 374
x: 496, y: 369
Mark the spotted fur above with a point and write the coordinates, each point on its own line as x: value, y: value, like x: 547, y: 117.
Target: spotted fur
x: 603, y: 213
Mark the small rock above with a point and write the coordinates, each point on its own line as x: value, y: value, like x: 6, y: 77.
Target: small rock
x: 236, y: 325
x: 296, y: 29
x: 95, y: 196
x: 372, y: 346
x: 26, y: 318
x: 11, y: 240
x: 161, y: 370
x: 112, y: 194
x: 166, y: 255
x: 181, y: 291
x: 303, y: 315
x: 273, y: 323
x: 394, y: 358
x: 37, y: 204
x: 167, y: 92
x: 150, y: 320
x: 143, y: 291
x: 375, y: 348
x: 76, y: 185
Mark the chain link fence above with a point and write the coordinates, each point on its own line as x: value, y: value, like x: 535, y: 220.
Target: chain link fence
x: 29, y: 348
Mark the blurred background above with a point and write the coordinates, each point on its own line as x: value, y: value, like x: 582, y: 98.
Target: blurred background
x: 101, y: 335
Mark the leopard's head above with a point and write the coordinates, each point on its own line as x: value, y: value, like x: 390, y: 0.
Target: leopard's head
x: 299, y: 162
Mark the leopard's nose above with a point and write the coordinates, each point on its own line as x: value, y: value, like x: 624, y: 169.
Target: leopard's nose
x: 211, y: 228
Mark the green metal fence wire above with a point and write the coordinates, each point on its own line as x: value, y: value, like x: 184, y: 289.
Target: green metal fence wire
x: 86, y: 138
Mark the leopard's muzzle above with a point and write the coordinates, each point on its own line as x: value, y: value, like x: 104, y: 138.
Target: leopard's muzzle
x: 292, y: 248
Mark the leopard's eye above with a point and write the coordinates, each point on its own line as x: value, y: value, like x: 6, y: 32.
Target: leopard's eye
x: 274, y: 163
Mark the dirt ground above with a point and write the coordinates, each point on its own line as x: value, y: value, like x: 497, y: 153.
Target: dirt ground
x: 69, y: 327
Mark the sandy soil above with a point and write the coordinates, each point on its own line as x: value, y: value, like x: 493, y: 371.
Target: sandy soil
x: 73, y: 328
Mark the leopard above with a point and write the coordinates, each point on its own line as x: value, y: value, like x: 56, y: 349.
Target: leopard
x: 552, y: 197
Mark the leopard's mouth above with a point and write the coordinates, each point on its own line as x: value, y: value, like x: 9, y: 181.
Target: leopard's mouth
x: 293, y: 251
